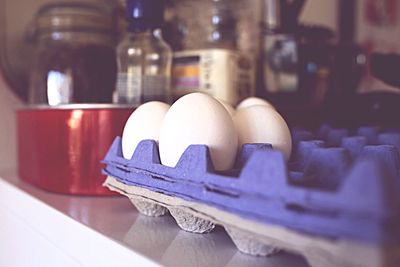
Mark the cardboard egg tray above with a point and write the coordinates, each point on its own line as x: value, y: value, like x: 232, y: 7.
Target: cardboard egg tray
x: 336, y: 202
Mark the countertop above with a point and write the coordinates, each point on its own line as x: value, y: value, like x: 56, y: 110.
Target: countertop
x: 105, y: 231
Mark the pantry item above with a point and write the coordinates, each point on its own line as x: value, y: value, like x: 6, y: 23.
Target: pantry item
x: 198, y: 118
x: 228, y: 107
x: 218, y: 46
x: 60, y: 148
x: 263, y: 124
x: 74, y: 58
x: 144, y: 123
x: 254, y: 101
x: 144, y: 58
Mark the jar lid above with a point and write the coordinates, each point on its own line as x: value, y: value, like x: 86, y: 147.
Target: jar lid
x: 144, y: 14
x: 74, y: 16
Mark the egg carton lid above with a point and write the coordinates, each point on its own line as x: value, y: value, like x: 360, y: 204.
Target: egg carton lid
x: 366, y: 206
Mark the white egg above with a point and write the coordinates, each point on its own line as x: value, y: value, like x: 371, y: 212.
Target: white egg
x: 227, y: 106
x: 144, y: 123
x: 198, y: 119
x: 261, y: 124
x: 254, y: 101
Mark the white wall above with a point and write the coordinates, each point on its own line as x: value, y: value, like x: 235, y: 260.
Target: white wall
x: 322, y: 12
x: 9, y: 103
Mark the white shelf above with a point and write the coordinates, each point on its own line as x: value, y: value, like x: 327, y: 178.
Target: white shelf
x: 38, y: 228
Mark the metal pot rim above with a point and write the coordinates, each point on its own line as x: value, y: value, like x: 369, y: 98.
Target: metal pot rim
x: 85, y: 106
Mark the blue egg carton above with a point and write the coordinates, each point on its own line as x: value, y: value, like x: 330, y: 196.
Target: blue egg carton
x: 338, y: 185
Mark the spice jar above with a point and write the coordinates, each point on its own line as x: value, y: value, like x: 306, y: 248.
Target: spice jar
x: 216, y: 45
x: 75, y: 58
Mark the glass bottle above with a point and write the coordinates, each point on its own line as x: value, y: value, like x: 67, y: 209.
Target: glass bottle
x: 144, y: 59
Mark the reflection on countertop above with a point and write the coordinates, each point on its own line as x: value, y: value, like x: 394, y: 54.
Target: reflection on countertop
x: 159, y: 239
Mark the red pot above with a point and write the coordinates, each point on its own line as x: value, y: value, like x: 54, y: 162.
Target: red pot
x: 60, y: 148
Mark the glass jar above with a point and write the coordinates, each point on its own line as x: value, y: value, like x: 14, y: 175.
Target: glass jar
x: 230, y: 24
x: 216, y: 44
x: 75, y: 58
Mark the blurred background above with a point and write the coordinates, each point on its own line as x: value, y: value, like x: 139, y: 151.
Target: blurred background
x: 314, y: 60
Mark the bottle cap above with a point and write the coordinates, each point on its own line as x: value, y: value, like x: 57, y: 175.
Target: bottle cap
x: 144, y: 14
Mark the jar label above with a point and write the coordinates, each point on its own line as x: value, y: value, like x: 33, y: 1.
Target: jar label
x: 129, y: 88
x: 225, y: 74
x: 134, y: 88
x: 154, y: 87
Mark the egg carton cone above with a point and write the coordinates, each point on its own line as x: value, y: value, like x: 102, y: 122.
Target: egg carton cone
x: 336, y: 202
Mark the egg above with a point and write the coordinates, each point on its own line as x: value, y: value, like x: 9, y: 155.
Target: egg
x: 227, y: 106
x: 253, y: 101
x: 262, y: 124
x: 144, y: 123
x: 200, y: 119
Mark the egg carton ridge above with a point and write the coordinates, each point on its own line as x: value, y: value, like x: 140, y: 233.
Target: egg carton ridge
x: 262, y: 190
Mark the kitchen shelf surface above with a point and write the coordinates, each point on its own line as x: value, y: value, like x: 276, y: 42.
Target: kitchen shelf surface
x: 49, y: 228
